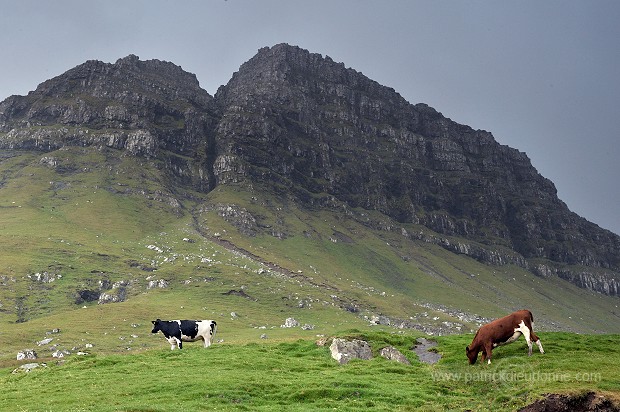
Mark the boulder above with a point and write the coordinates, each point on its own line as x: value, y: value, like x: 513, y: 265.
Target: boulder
x: 27, y: 367
x: 391, y: 353
x: 161, y: 284
x: 290, y: 323
x: 26, y: 354
x: 343, y: 350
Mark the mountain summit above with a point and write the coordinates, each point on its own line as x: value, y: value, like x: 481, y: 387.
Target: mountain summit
x: 308, y: 129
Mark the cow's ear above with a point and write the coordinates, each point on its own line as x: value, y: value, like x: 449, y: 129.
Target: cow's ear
x: 153, y: 322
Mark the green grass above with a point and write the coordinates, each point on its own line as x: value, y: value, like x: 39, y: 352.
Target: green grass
x: 298, y: 375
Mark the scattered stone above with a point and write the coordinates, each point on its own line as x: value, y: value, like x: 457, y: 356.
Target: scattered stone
x: 263, y: 336
x: 155, y: 248
x: 44, y: 341
x: 26, y: 354
x: 58, y: 354
x: 44, y: 277
x: 343, y: 350
x: 290, y: 323
x: 161, y: 284
x: 391, y: 353
x: 27, y: 367
x: 234, y: 315
x: 307, y: 327
x: 49, y: 161
x: 109, y: 298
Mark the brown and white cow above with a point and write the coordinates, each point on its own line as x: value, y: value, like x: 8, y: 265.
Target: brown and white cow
x: 502, y: 332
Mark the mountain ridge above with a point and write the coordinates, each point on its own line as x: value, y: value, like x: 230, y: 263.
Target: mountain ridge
x: 309, y: 128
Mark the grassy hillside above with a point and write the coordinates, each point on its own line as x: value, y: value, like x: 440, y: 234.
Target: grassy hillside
x: 366, y: 255
x: 93, y: 220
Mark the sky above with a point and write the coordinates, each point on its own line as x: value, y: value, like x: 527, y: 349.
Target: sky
x: 542, y: 76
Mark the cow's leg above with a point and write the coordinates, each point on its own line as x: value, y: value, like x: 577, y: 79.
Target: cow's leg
x: 207, y: 340
x: 209, y: 334
x: 173, y: 342
x: 488, y: 351
x: 536, y: 339
x: 526, y: 331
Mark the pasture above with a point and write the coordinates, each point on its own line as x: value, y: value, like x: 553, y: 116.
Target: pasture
x: 297, y: 375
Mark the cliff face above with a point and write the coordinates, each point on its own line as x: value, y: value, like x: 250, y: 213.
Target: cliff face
x: 332, y: 130
x: 296, y: 122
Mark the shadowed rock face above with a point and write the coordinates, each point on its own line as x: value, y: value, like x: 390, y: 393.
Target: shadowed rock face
x: 302, y: 121
x: 300, y: 125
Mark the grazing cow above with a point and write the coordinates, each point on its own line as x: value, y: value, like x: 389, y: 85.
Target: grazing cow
x: 502, y: 332
x: 178, y: 331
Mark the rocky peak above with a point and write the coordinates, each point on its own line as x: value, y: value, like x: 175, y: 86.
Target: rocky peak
x: 142, y: 107
x: 129, y: 86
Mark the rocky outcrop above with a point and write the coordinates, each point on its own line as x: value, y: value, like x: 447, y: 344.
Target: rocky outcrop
x: 26, y: 354
x: 344, y: 350
x: 391, y: 353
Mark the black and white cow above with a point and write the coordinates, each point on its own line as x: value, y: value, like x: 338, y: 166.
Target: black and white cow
x: 178, y: 331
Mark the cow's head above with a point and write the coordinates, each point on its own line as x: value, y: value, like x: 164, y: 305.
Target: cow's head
x: 472, y: 355
x: 156, y: 325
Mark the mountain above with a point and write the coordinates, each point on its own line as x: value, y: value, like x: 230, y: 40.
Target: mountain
x: 296, y: 140
x: 333, y: 131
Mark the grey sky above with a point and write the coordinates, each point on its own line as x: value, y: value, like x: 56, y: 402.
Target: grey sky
x: 542, y: 76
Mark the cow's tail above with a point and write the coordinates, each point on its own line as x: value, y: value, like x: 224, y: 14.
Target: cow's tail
x: 213, y: 329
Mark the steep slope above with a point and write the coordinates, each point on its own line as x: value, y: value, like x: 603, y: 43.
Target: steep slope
x: 317, y: 129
